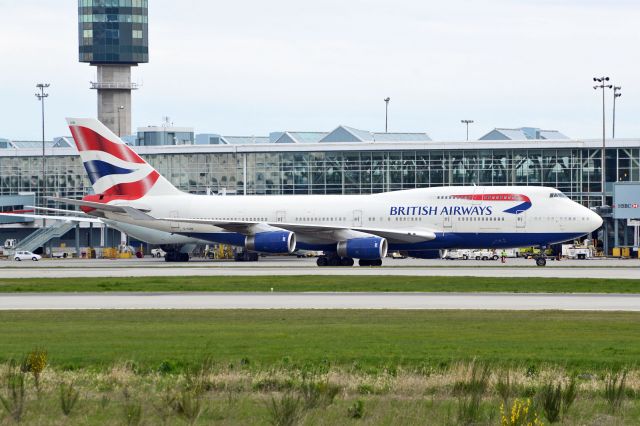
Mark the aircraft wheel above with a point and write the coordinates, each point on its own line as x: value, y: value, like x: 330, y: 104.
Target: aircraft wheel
x: 184, y: 257
x: 376, y: 262
x: 334, y: 261
x: 364, y: 262
x: 346, y: 261
x: 541, y: 261
x: 322, y: 261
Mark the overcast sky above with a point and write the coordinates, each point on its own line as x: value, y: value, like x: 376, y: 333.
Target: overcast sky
x: 251, y: 67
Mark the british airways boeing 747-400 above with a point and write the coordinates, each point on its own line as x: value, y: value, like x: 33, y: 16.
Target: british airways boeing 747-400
x: 345, y: 227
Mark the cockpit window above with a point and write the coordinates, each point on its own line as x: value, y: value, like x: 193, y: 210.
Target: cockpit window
x: 557, y: 195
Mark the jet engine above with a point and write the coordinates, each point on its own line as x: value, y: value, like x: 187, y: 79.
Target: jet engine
x: 363, y: 248
x: 271, y: 242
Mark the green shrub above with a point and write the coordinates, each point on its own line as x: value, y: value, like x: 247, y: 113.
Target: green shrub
x: 356, y: 410
x: 188, y: 405
x: 284, y: 411
x: 505, y: 388
x: 477, y: 383
x: 131, y: 409
x: 317, y: 394
x: 550, y: 398
x: 68, y: 397
x: 469, y: 409
x: 164, y: 406
x: 614, y: 391
x: 556, y: 400
x: 15, y: 394
x: 365, y: 389
x: 167, y: 367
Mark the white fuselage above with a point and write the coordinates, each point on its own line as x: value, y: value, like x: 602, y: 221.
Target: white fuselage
x: 460, y: 216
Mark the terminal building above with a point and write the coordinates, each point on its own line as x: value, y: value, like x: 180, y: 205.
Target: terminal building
x: 113, y: 37
x: 342, y: 161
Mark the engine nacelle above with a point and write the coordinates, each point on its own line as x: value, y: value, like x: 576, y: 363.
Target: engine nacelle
x: 363, y: 248
x: 271, y: 242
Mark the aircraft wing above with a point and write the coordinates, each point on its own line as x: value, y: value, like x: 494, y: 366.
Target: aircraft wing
x: 133, y: 212
x: 51, y: 217
x: 91, y: 204
x: 329, y: 231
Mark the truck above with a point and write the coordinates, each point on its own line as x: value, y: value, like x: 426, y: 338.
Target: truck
x: 577, y: 251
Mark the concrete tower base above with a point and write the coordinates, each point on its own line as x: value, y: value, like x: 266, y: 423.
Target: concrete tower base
x: 114, y: 88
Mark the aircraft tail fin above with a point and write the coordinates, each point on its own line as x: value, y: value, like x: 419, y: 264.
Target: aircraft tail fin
x: 114, y: 169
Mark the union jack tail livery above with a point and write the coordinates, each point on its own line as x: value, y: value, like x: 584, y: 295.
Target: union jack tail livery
x: 114, y: 169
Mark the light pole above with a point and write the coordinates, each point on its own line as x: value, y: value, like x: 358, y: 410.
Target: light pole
x: 602, y: 84
x: 386, y: 114
x: 467, y: 122
x: 41, y: 95
x: 120, y: 108
x: 616, y: 95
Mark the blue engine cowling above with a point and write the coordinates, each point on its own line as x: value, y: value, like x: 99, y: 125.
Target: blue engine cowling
x: 363, y: 248
x: 271, y: 242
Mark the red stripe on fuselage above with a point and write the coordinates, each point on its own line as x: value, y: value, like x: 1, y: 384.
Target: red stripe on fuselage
x: 494, y: 197
x: 88, y: 140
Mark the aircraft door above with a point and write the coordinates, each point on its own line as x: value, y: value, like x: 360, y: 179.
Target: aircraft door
x: 281, y: 216
x: 446, y: 224
x: 175, y: 226
x: 357, y: 218
x: 521, y: 221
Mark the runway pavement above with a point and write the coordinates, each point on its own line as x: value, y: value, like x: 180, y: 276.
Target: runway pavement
x: 499, y: 301
x: 611, y: 268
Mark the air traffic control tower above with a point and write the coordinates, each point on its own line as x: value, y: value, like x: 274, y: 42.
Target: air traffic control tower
x: 113, y: 37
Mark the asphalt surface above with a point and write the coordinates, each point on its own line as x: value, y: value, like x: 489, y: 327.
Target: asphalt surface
x: 405, y: 301
x: 600, y: 268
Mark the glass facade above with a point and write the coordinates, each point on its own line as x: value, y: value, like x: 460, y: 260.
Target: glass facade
x: 113, y: 31
x: 575, y: 171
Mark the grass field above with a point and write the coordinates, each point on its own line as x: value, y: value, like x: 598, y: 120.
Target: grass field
x: 322, y: 283
x: 355, y: 339
x: 317, y: 367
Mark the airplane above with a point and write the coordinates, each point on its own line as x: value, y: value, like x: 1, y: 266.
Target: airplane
x: 345, y: 227
x: 177, y: 247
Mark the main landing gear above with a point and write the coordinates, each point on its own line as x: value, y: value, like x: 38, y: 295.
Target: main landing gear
x: 176, y: 256
x: 335, y: 260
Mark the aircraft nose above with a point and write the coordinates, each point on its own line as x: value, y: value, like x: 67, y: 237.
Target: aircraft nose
x: 594, y: 220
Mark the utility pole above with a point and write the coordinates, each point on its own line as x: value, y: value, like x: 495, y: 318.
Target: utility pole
x: 386, y: 114
x: 616, y: 95
x: 41, y: 95
x: 467, y: 122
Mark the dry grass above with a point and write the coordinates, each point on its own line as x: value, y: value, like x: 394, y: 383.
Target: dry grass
x: 241, y: 395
